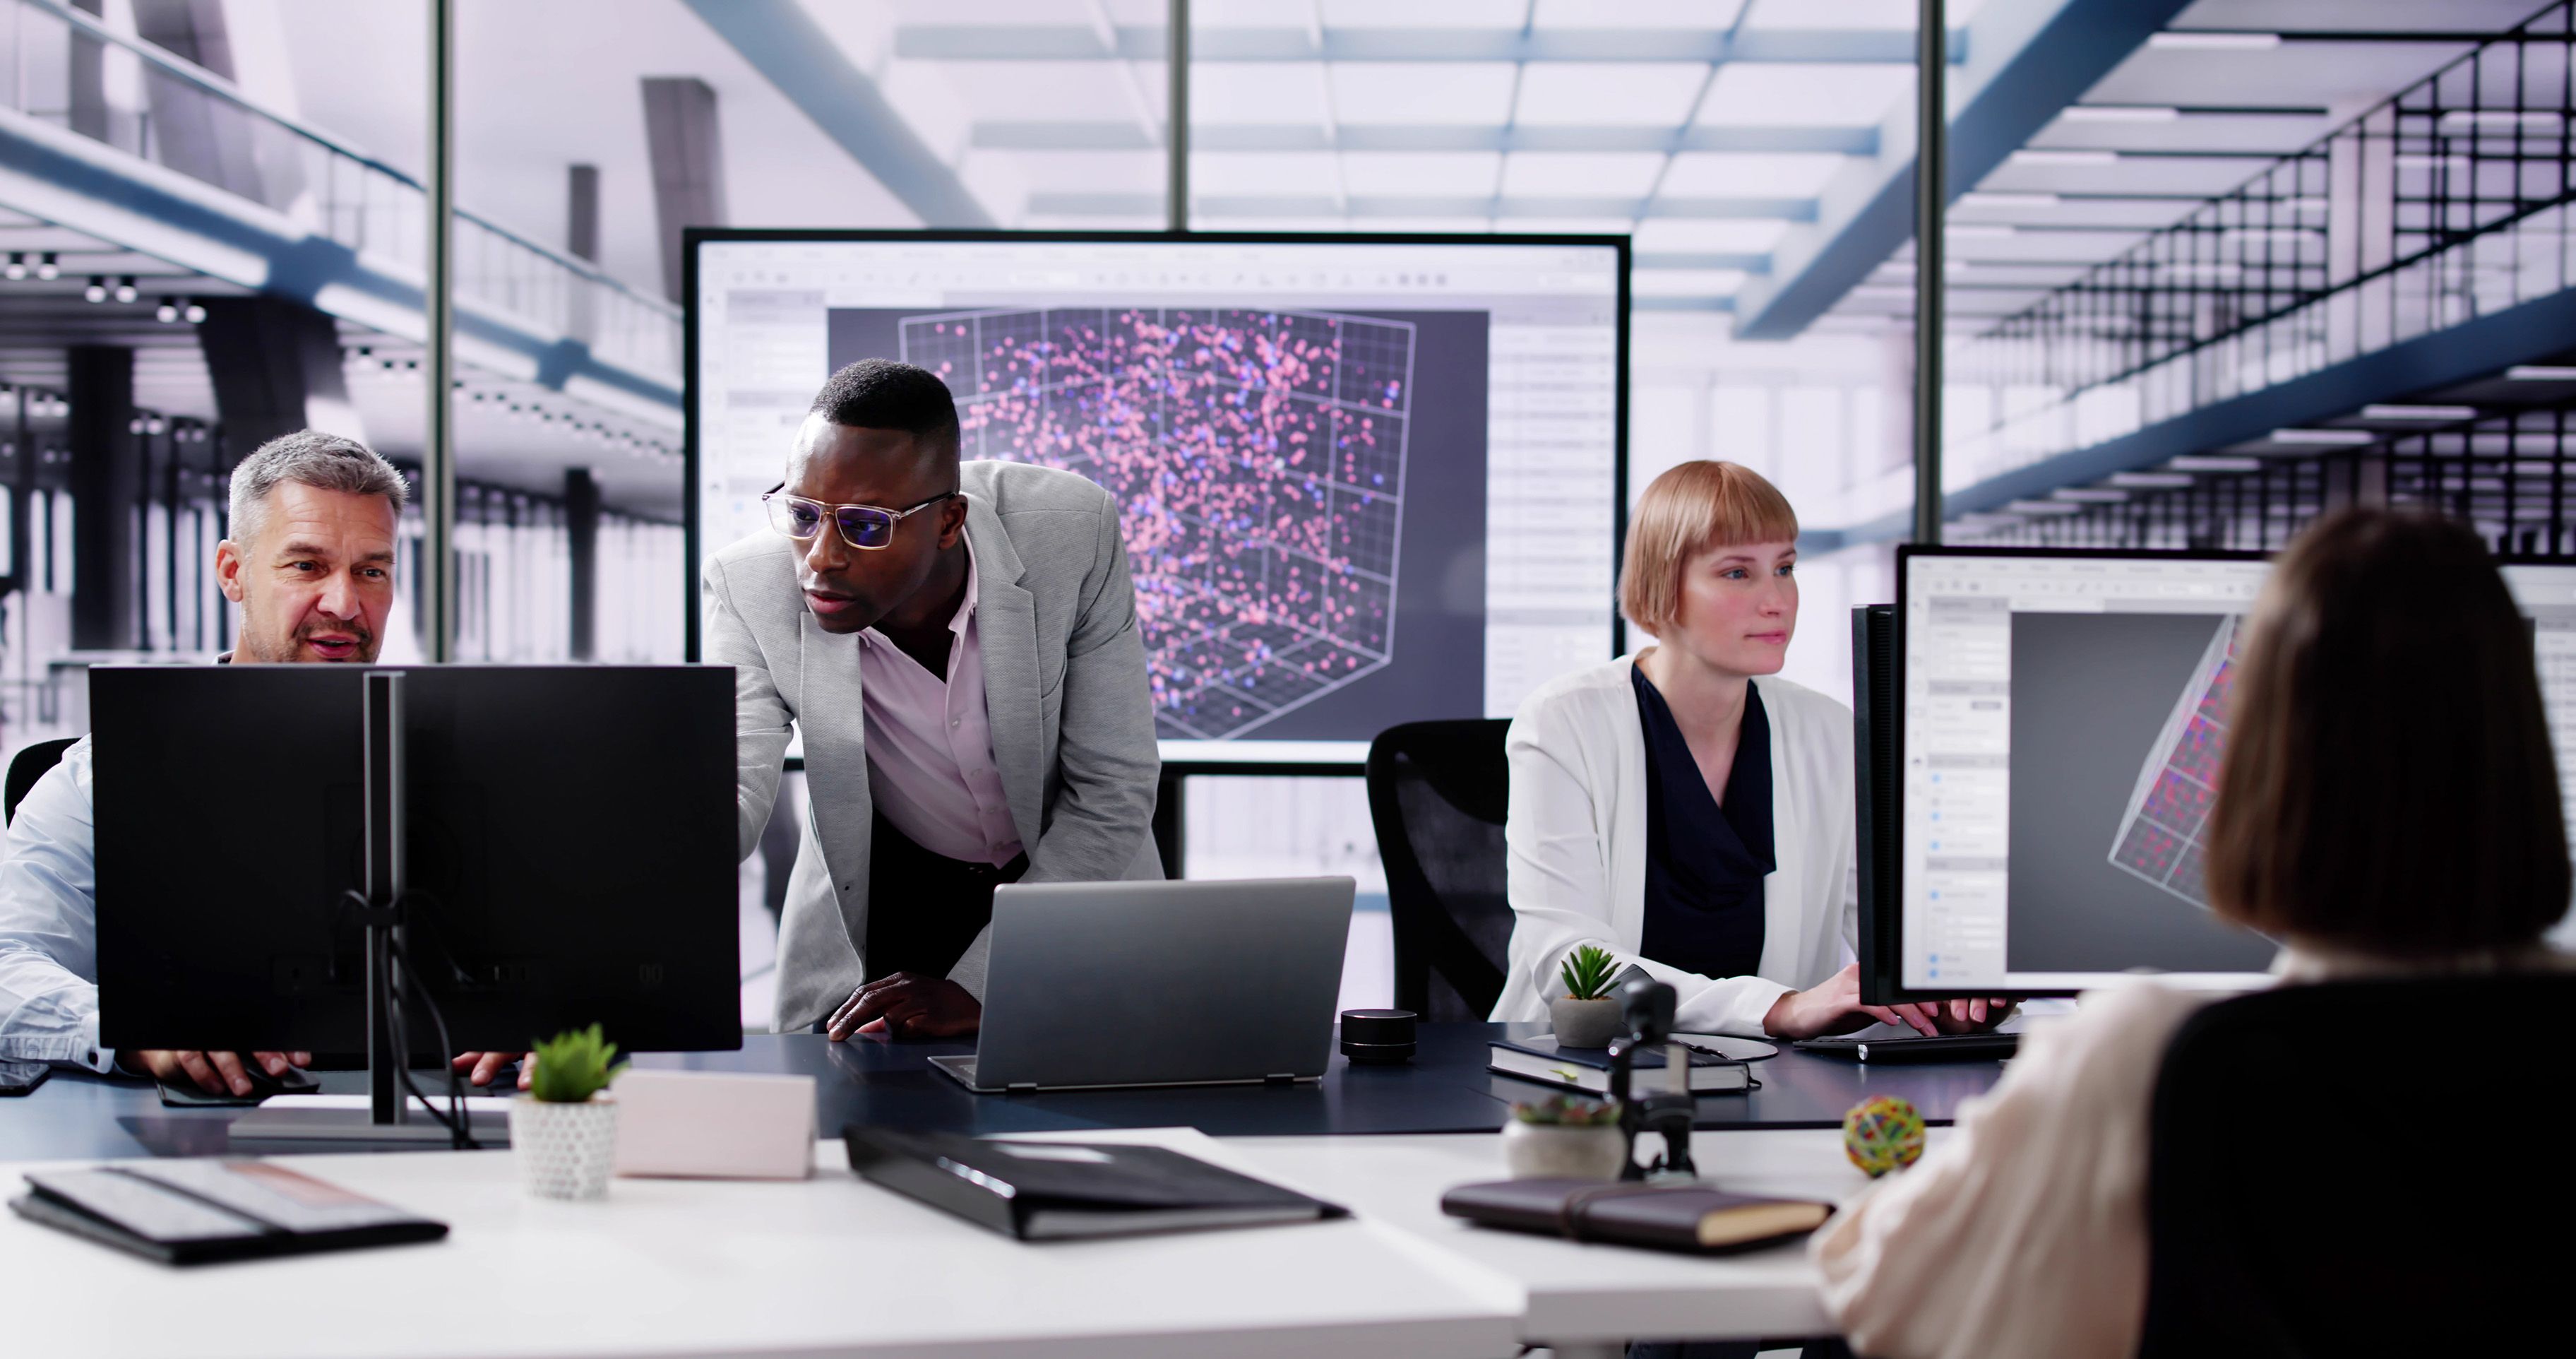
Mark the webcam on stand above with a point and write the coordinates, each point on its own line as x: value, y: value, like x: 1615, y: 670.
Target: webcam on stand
x: 1648, y: 1005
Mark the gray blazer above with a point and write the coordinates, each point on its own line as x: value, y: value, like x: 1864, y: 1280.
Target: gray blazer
x: 1064, y: 685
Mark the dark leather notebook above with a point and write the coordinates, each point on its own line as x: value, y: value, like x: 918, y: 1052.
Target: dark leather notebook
x: 199, y: 1212
x: 1682, y: 1217
x: 1053, y: 1190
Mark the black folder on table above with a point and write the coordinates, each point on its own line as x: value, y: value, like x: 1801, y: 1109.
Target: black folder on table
x: 1041, y: 1191
x: 203, y: 1211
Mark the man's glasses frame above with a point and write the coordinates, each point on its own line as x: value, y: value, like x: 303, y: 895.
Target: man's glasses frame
x: 855, y: 522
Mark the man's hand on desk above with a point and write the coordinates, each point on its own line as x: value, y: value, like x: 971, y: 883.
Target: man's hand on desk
x: 481, y: 1067
x: 224, y: 1073
x: 216, y: 1073
x: 908, y: 1005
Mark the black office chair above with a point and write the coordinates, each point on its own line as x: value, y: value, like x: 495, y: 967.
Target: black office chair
x: 1437, y: 791
x: 2364, y: 1168
x: 27, y: 766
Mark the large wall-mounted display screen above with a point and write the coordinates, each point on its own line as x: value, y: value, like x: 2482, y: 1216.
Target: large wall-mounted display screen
x: 1364, y: 480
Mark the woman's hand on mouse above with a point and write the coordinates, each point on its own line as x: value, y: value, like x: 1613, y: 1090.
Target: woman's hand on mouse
x: 1973, y: 1014
x: 1835, y: 1007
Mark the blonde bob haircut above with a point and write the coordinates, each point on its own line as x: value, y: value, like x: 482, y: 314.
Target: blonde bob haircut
x: 1685, y: 512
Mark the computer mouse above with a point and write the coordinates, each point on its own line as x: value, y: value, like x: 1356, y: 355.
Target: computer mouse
x: 181, y: 1091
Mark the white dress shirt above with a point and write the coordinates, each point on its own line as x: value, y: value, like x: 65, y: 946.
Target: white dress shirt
x: 49, y: 926
x: 930, y: 744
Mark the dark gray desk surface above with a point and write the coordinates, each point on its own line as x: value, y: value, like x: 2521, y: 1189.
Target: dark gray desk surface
x: 77, y: 1116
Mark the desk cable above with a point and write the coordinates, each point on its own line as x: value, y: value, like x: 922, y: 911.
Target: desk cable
x: 407, y: 985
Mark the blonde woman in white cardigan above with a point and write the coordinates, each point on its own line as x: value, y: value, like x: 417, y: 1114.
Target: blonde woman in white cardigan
x: 1683, y: 807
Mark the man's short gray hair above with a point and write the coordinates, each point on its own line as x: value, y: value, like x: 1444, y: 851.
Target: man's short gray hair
x: 328, y: 462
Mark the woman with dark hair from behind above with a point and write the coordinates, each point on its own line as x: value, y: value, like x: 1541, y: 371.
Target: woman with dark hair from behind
x: 2389, y: 806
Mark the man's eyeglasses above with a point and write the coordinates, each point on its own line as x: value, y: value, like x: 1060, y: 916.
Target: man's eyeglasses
x: 865, y: 527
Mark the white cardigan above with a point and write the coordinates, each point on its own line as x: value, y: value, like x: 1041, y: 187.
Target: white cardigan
x: 1576, y: 834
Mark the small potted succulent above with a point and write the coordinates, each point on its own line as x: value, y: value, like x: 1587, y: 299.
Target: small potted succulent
x: 564, y: 1129
x: 1587, y: 1015
x: 1565, y: 1136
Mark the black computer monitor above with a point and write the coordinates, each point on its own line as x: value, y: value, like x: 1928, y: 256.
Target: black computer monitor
x: 1874, y: 796
x: 571, y: 854
x: 2047, y: 726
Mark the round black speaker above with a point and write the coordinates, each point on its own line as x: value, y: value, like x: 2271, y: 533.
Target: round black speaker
x: 1378, y: 1035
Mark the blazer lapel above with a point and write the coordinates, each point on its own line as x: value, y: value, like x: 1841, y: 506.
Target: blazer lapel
x: 831, y: 715
x: 1006, y: 628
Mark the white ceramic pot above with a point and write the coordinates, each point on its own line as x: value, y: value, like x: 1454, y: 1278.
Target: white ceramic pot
x: 1585, y: 1023
x: 1540, y: 1151
x: 564, y: 1150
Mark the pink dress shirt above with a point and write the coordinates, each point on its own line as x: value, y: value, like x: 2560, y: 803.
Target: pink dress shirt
x: 931, y: 771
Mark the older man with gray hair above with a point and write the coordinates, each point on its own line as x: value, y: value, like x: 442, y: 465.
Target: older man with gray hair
x: 315, y: 520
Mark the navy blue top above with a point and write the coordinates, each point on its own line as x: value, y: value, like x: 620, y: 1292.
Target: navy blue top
x: 1705, y: 863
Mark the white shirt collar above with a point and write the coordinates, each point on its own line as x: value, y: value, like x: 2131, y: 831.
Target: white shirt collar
x: 958, y: 622
x: 966, y: 606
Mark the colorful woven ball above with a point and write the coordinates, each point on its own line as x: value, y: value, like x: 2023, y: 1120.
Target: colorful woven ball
x: 1883, y: 1133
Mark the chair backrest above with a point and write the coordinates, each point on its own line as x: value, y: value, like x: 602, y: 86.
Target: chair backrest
x: 27, y: 766
x: 2363, y: 1168
x: 1437, y: 792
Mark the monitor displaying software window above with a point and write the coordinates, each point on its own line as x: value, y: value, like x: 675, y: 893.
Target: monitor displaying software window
x: 2064, y: 715
x: 1362, y: 480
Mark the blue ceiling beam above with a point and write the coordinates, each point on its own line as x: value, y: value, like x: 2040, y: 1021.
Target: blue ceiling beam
x: 1127, y: 136
x: 2028, y: 60
x: 782, y: 42
x: 89, y: 187
x: 2489, y: 344
x: 1133, y: 42
x: 1096, y: 204
x: 1753, y: 262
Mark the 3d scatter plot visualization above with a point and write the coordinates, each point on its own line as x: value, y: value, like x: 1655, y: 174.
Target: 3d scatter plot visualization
x: 1258, y: 460
x: 2160, y: 837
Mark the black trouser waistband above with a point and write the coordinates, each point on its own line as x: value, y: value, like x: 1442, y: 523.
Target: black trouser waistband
x: 925, y: 909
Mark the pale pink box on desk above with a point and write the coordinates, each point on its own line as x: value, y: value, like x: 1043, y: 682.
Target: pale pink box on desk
x: 715, y: 1125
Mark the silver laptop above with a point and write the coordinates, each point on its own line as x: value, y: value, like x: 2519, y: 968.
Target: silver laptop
x: 1096, y: 984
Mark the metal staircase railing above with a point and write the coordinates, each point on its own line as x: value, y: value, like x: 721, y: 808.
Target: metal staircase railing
x: 2448, y: 201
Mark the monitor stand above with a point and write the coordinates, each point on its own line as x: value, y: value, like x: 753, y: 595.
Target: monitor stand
x: 293, y: 1123
x: 389, y: 1117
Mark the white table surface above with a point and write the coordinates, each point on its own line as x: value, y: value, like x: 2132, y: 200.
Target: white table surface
x: 828, y: 1265
x: 1576, y: 1292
